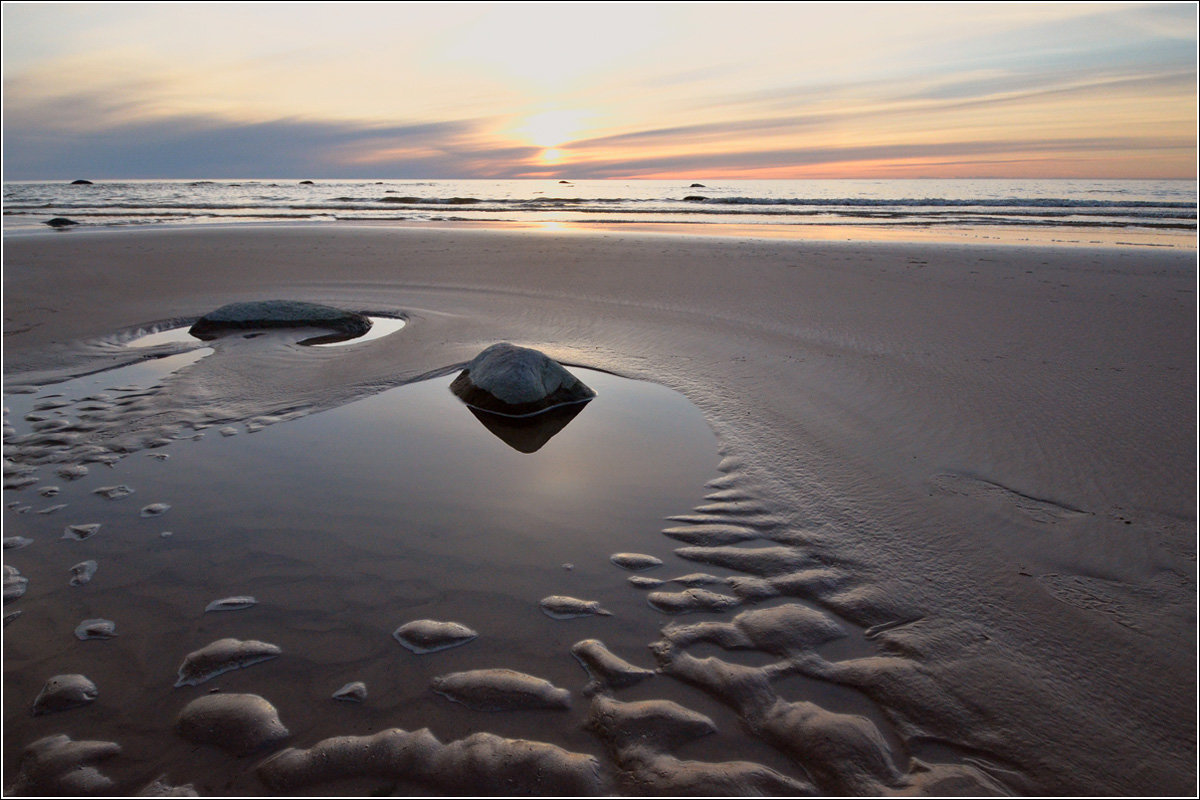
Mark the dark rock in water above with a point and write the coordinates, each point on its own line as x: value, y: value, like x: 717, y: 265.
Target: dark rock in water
x: 81, y: 182
x: 567, y: 182
x: 517, y: 382
x: 61, y: 222
x: 237, y: 723
x: 58, y: 766
x: 697, y: 186
x: 302, y: 183
x: 282, y: 314
x: 64, y: 692
x: 694, y: 198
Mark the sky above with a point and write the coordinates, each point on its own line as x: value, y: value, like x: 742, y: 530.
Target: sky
x: 599, y: 90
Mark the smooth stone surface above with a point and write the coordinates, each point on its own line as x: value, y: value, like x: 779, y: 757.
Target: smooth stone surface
x: 517, y: 381
x: 281, y: 314
x: 500, y: 690
x: 222, y: 656
x: 64, y: 692
x: 16, y: 542
x: 428, y: 636
x: 562, y: 607
x: 237, y: 723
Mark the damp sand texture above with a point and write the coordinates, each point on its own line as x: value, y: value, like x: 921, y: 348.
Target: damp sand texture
x: 945, y: 495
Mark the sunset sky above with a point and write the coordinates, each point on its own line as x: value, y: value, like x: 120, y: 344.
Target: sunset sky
x: 578, y: 90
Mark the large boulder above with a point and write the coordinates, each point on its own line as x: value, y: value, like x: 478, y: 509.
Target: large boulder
x: 517, y: 382
x: 282, y: 314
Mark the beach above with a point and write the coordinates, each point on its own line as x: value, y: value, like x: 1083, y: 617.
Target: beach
x: 976, y: 460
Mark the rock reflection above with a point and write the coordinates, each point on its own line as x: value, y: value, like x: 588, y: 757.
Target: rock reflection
x: 528, y: 434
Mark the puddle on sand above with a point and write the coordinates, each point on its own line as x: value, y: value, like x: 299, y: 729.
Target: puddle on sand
x: 344, y: 525
x: 380, y: 327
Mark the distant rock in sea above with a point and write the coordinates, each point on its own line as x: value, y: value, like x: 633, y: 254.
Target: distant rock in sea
x: 517, y: 382
x: 81, y: 182
x: 61, y: 222
x: 302, y: 183
x: 694, y: 198
x: 697, y: 186
x: 282, y: 314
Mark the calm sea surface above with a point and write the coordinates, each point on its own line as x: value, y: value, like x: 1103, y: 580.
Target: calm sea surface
x: 1108, y: 211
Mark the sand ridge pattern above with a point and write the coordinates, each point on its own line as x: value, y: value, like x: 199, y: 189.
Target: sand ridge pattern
x: 876, y: 633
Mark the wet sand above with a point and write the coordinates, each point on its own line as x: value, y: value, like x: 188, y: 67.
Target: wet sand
x: 949, y: 516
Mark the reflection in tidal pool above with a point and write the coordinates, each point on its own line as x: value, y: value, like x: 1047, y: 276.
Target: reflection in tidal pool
x: 344, y: 525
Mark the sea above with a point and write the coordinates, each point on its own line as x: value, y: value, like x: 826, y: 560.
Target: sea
x: 1149, y: 212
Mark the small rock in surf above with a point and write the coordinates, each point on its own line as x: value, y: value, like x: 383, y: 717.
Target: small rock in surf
x: 517, y: 382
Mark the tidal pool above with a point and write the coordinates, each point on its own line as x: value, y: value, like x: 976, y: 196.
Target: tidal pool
x: 344, y: 525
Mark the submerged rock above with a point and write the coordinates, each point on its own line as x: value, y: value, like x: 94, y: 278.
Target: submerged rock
x: 61, y: 222
x: 64, y: 692
x: 56, y: 765
x: 282, y: 314
x: 155, y: 510
x: 222, y: 656
x: 500, y: 690
x: 237, y: 723
x: 561, y: 607
x: 428, y: 636
x: 517, y: 382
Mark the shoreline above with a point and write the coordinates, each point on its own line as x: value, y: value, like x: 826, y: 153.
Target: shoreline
x: 986, y: 236
x: 992, y: 445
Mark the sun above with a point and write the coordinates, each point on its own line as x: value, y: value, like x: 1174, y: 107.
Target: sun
x: 549, y: 129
